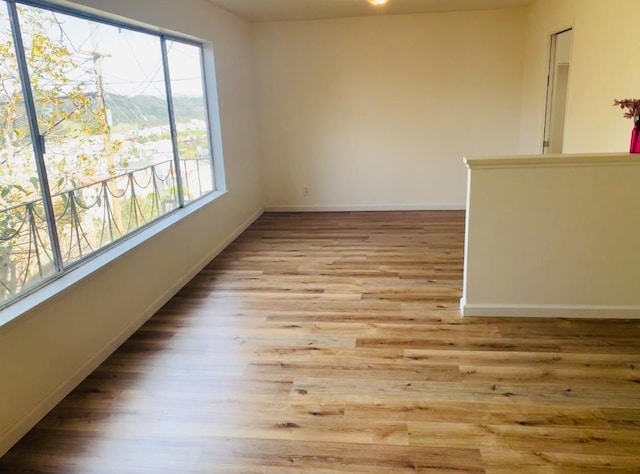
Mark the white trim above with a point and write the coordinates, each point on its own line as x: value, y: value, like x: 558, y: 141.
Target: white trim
x: 357, y: 208
x: 549, y: 311
x: 15, y: 432
x: 467, y: 226
x: 553, y: 161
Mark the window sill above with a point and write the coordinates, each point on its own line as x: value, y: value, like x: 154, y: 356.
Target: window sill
x: 63, y: 282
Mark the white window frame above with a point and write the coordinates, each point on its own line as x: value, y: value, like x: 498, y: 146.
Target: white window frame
x: 66, y: 276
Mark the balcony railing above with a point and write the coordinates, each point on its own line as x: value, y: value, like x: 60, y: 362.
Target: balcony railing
x: 90, y: 217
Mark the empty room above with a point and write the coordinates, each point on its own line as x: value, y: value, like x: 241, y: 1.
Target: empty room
x: 319, y: 236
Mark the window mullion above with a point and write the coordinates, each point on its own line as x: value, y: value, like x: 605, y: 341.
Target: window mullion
x: 172, y: 120
x: 36, y: 139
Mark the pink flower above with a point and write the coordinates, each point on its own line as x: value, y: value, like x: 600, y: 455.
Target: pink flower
x: 633, y: 106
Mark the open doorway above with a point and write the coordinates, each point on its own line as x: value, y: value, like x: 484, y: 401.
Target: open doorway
x: 557, y: 88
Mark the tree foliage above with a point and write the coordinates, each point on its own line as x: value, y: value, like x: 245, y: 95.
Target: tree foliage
x: 61, y: 82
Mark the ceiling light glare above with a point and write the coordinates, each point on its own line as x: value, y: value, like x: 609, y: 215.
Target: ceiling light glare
x: 378, y: 3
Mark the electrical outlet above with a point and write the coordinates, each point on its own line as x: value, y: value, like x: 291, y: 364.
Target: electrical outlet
x: 305, y: 191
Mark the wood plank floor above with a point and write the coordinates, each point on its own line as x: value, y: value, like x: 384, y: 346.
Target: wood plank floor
x: 332, y: 343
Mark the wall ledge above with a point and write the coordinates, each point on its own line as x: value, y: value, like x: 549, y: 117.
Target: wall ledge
x: 553, y: 161
x: 549, y: 311
x: 60, y: 283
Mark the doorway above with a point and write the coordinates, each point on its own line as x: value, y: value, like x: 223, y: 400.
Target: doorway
x: 557, y: 88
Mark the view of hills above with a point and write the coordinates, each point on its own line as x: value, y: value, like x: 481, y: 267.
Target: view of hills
x: 146, y: 110
x: 126, y: 112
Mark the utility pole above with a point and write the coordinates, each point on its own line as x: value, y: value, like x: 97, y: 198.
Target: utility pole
x: 102, y: 110
x: 103, y: 114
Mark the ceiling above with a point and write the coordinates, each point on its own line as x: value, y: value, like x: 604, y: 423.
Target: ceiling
x: 284, y: 10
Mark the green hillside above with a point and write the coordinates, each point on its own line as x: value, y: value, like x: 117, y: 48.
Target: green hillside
x: 144, y: 110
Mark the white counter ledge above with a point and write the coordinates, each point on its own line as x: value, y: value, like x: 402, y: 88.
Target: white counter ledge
x: 553, y: 236
x: 593, y: 159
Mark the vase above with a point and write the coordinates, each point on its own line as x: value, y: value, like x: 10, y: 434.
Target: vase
x: 635, y: 140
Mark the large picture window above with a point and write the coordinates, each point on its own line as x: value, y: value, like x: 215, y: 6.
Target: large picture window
x: 103, y: 129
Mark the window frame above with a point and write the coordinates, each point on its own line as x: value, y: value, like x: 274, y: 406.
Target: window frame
x: 67, y: 275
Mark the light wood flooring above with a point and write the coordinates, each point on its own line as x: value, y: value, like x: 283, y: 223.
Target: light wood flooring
x: 332, y: 343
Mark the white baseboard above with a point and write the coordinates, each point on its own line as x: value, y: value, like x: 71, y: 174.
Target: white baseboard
x: 549, y: 311
x: 357, y: 208
x: 15, y: 432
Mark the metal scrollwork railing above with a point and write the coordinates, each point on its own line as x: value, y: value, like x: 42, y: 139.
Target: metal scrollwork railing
x: 88, y: 218
x: 25, y: 251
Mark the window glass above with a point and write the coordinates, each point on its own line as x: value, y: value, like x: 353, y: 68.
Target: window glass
x: 106, y: 160
x: 102, y: 110
x: 189, y: 105
x: 25, y: 248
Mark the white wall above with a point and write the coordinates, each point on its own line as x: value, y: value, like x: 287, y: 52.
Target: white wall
x: 376, y: 112
x: 46, y: 351
x: 553, y: 235
x: 605, y: 66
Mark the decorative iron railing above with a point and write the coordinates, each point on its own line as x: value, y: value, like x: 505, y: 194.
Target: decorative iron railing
x: 90, y: 217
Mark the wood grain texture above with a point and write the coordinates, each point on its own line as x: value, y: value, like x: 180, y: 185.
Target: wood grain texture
x: 332, y: 343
